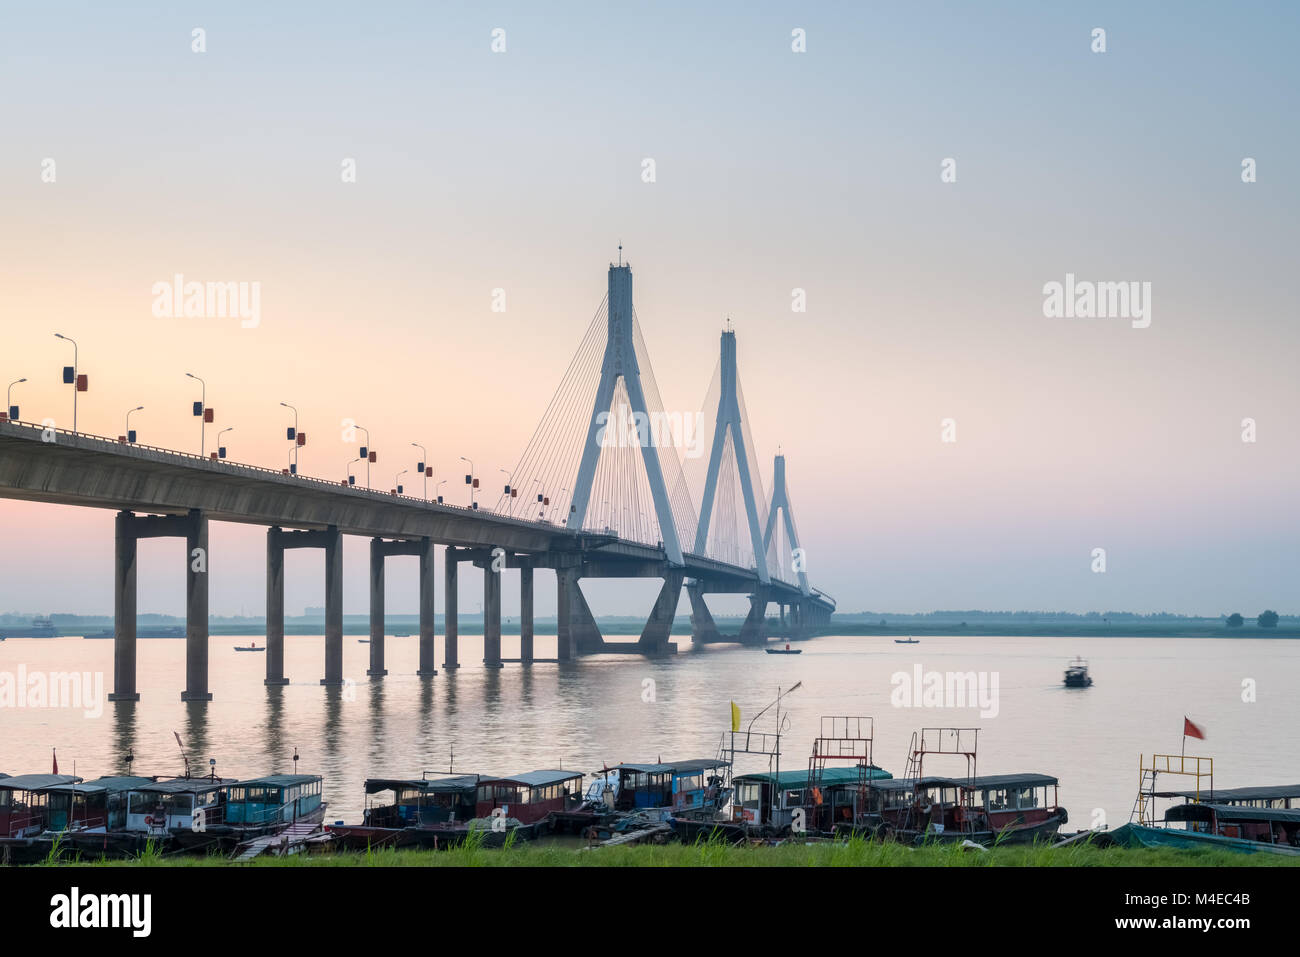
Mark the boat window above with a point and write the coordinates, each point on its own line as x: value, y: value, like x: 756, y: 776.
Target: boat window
x: 1027, y: 798
x: 748, y: 793
x: 690, y: 782
x: 997, y: 799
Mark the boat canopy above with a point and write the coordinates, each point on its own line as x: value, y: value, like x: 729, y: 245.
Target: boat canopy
x: 102, y: 785
x: 829, y: 777
x: 674, y: 767
x: 990, y: 781
x: 186, y: 785
x: 448, y: 785
x: 1231, y: 812
x: 280, y: 780
x: 1268, y: 792
x: 535, y: 779
x: 36, y: 782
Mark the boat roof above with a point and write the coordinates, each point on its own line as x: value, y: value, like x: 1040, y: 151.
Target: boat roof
x: 34, y: 782
x: 461, y: 782
x: 1264, y: 793
x: 1231, y: 812
x: 186, y: 785
x: 280, y: 780
x: 108, y: 783
x: 675, y: 767
x: 830, y: 777
x: 534, y: 779
x: 989, y: 781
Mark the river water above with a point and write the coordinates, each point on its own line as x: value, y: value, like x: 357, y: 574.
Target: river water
x: 612, y: 708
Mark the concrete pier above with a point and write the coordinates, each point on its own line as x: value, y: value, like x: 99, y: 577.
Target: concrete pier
x: 491, y: 615
x: 526, y: 611
x: 450, y: 659
x: 196, y: 608
x: 275, y: 608
x: 655, y: 637
x: 333, y: 606
x: 427, y: 581
x: 376, y: 669
x: 124, y: 598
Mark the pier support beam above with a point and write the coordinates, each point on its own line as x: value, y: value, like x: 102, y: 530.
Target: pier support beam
x: 451, y: 623
x: 196, y: 608
x: 274, y: 608
x: 377, y: 669
x: 124, y: 598
x: 655, y: 637
x: 333, y: 606
x: 578, y: 633
x: 703, y: 627
x: 491, y: 615
x: 428, y: 580
x: 753, y: 628
x: 526, y: 611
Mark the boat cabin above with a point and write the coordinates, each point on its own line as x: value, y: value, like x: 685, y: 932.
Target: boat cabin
x: 24, y: 802
x: 274, y: 799
x: 1278, y: 796
x: 1241, y: 821
x: 771, y: 799
x: 681, y: 785
x: 99, y: 805
x: 416, y: 802
x: 1011, y: 800
x: 170, y: 805
x: 531, y: 796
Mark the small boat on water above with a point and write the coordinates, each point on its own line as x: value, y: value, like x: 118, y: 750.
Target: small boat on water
x: 787, y: 650
x: 1076, y: 674
x: 252, y: 647
x: 909, y: 640
x: 363, y: 641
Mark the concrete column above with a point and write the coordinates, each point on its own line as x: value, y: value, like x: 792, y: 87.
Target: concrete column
x: 564, y: 650
x: 703, y: 627
x: 196, y: 608
x: 753, y: 628
x: 274, y: 609
x: 491, y: 616
x: 526, y: 611
x: 659, y: 627
x: 124, y: 610
x: 427, y: 582
x: 377, y: 669
x: 450, y: 620
x: 333, y: 607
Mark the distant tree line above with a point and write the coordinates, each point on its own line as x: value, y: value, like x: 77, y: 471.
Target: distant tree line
x: 1265, y: 619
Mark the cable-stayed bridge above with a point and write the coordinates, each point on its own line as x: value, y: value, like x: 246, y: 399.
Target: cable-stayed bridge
x: 611, y: 485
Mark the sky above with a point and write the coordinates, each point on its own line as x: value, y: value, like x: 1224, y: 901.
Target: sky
x: 774, y: 170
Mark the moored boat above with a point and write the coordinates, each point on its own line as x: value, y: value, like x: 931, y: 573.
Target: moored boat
x: 406, y: 812
x: 1076, y: 674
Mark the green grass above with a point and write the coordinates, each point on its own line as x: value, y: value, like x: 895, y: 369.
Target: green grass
x: 853, y: 853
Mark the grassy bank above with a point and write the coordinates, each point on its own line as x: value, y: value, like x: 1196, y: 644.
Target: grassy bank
x: 849, y: 854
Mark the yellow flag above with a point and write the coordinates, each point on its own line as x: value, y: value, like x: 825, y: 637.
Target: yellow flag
x: 735, y: 717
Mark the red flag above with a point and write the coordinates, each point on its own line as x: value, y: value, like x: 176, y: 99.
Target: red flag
x: 1192, y: 731
x: 56, y: 762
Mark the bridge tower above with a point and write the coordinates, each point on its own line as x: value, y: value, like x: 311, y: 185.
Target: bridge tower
x: 620, y: 363
x: 781, y: 500
x: 728, y: 420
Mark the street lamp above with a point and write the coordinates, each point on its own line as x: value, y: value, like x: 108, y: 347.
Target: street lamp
x: 440, y: 484
x: 293, y: 437
x: 9, y: 400
x: 351, y: 478
x: 221, y: 449
x: 201, y: 411
x: 397, y: 480
x: 130, y: 436
x: 366, y: 453
x: 508, y: 488
x: 422, y: 467
x: 76, y: 384
x: 471, y: 481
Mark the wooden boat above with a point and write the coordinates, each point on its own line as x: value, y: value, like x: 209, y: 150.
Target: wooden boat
x: 691, y: 788
x: 252, y: 647
x: 1076, y: 674
x: 530, y: 798
x: 407, y: 812
x: 787, y: 650
x: 909, y: 640
x: 24, y: 814
x: 242, y: 810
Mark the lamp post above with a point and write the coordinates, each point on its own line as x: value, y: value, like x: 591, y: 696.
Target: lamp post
x: 348, y: 472
x: 221, y: 449
x: 469, y: 479
x: 440, y: 484
x: 130, y: 436
x: 423, y: 468
x: 365, y: 453
x: 397, y: 480
x: 508, y: 488
x: 203, y: 409
x: 294, y: 437
x: 59, y: 335
x: 9, y: 399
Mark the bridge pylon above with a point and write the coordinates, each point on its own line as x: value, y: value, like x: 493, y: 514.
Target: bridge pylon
x: 781, y: 500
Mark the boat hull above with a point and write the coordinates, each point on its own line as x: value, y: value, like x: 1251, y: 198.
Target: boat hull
x: 1140, y: 835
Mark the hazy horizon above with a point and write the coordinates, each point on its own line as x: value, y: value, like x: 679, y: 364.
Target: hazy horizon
x: 776, y: 171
